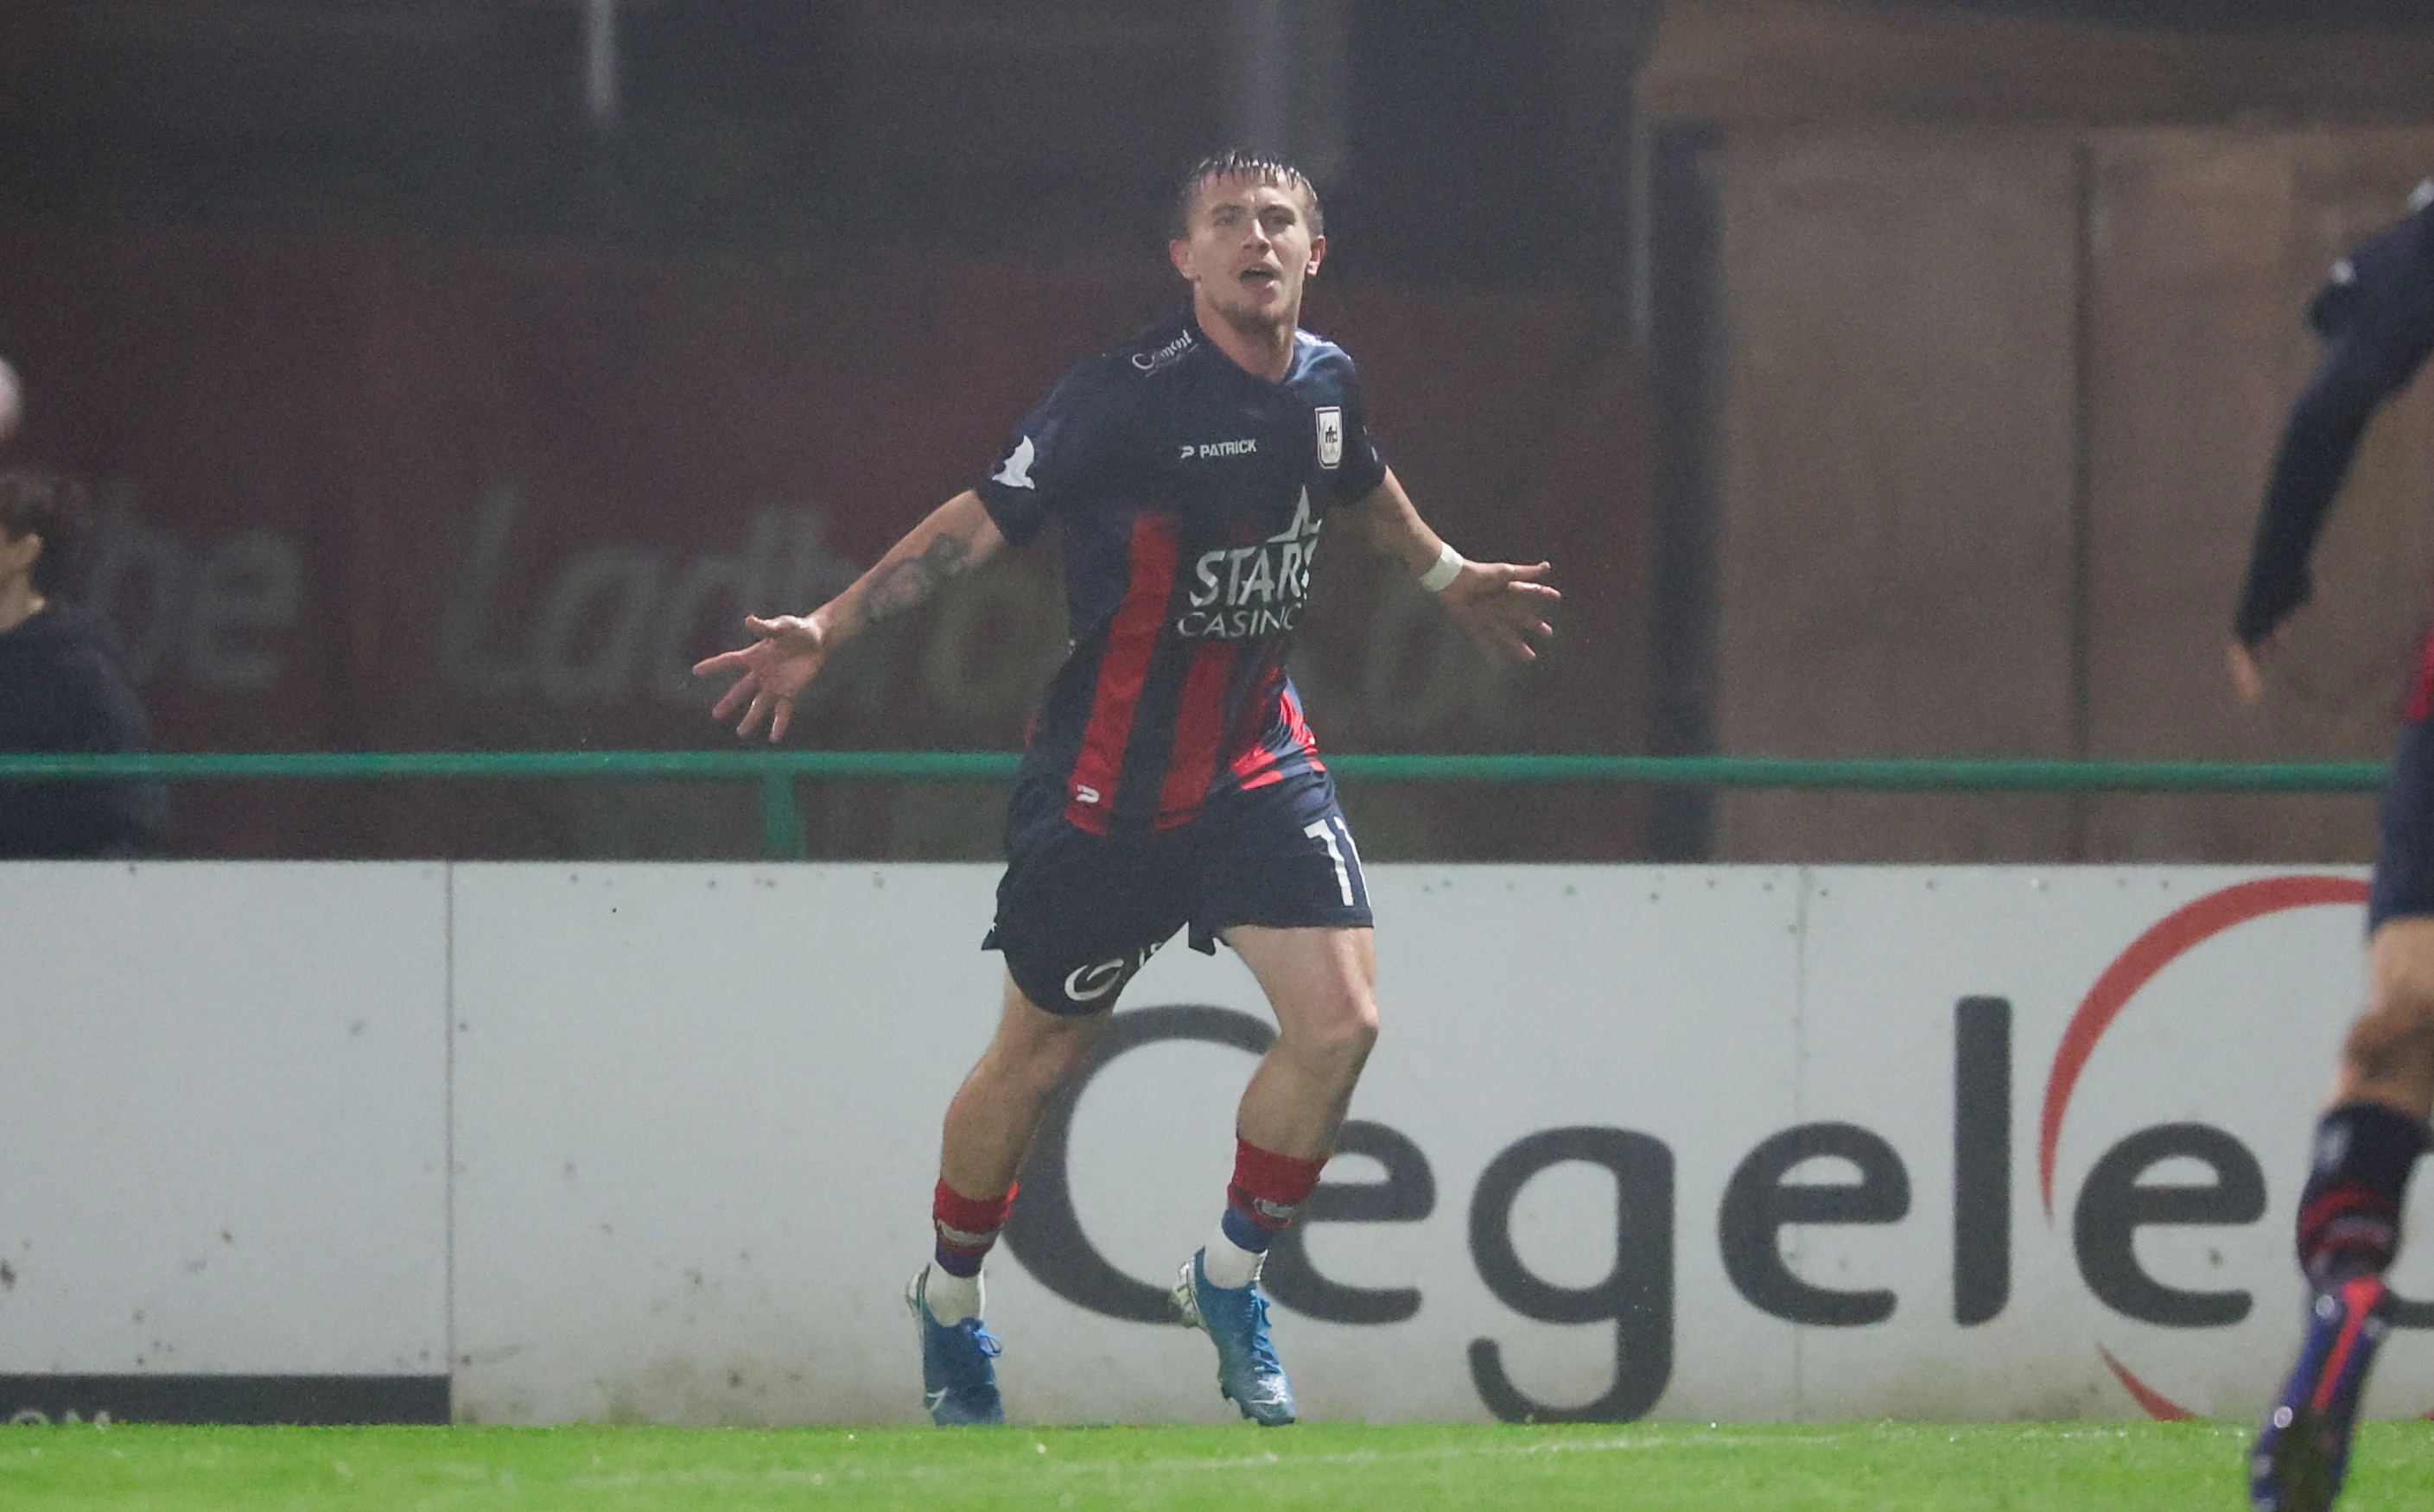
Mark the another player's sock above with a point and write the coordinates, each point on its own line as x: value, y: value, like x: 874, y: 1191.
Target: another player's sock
x: 1267, y: 1191
x: 967, y: 1228
x: 2349, y: 1214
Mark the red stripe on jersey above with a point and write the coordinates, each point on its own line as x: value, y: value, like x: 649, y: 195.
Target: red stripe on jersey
x: 1299, y: 730
x: 1123, y: 670
x: 2421, y: 697
x: 1257, y: 766
x: 1199, y: 728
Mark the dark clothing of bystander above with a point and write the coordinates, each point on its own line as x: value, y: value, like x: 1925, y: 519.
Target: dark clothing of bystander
x: 2375, y: 315
x: 63, y: 690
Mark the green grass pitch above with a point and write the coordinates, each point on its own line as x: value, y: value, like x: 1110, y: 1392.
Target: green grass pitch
x: 2014, y: 1468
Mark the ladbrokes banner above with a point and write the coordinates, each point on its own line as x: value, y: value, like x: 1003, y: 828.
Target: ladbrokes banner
x: 1693, y: 1144
x: 387, y: 494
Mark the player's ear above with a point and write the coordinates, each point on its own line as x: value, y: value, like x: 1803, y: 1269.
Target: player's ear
x: 1317, y: 255
x: 1178, y: 251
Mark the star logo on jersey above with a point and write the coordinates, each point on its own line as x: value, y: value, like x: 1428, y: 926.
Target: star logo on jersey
x: 1240, y: 593
x: 1016, y: 474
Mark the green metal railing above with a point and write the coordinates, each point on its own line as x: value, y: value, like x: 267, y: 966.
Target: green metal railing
x: 781, y: 816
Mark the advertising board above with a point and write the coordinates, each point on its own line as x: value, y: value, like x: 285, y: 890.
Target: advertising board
x: 1747, y: 1144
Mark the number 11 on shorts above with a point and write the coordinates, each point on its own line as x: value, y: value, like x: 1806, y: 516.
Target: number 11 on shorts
x: 1325, y: 836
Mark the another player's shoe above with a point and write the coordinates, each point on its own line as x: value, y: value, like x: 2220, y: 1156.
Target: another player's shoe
x: 958, y: 1383
x: 2302, y: 1449
x: 1235, y: 1320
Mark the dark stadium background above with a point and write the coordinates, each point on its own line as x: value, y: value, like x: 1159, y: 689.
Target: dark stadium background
x: 384, y: 327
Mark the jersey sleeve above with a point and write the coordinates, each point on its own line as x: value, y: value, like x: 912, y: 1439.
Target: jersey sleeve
x: 1064, y: 451
x: 1363, y: 466
x: 2380, y: 330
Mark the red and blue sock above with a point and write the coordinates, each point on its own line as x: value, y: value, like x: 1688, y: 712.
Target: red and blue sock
x: 1261, y: 1201
x: 966, y: 1229
x: 2349, y: 1213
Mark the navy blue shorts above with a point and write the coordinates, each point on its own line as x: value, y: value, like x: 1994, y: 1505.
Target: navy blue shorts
x: 1078, y: 914
x: 2403, y: 850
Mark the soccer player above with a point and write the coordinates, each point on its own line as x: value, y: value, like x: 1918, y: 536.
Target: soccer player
x: 2377, y: 318
x: 1170, y: 781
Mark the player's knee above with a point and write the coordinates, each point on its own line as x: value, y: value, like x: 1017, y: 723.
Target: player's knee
x: 2396, y: 1033
x: 2394, y: 1037
x: 2402, y: 991
x: 1062, y: 1055
x: 1045, y: 1054
x: 1342, y: 1036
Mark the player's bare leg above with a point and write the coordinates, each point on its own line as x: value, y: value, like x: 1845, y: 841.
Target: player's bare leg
x: 2349, y: 1221
x: 1320, y: 983
x: 996, y: 1112
x: 990, y: 1124
x: 2389, y: 1057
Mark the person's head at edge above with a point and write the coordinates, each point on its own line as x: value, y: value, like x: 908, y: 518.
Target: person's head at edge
x: 44, y: 525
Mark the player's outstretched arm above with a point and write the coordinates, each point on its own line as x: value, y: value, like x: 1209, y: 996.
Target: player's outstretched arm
x: 1501, y: 606
x: 773, y: 671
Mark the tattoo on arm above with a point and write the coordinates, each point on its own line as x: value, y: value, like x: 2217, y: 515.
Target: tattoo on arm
x: 899, y: 585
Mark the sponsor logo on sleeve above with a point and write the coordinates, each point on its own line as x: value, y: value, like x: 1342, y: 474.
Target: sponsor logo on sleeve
x: 1016, y: 473
x: 1330, y: 437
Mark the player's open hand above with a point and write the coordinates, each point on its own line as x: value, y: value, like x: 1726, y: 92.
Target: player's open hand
x: 771, y: 673
x: 1503, y: 607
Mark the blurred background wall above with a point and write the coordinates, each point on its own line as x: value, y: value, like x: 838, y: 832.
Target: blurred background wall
x: 2006, y: 315
x: 1882, y: 378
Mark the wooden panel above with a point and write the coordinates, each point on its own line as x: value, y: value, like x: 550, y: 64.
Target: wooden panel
x: 1749, y: 61
x: 2204, y: 249
x: 1894, y: 556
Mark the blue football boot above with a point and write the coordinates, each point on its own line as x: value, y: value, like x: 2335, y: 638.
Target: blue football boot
x: 958, y: 1383
x: 1235, y: 1320
x: 2302, y: 1449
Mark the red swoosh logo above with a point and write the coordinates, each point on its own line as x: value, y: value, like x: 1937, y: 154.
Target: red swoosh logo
x: 2171, y: 938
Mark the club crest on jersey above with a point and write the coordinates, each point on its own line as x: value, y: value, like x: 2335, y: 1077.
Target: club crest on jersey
x: 1016, y: 474
x: 1330, y: 437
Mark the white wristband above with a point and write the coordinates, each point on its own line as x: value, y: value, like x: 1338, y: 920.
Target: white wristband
x: 1448, y: 567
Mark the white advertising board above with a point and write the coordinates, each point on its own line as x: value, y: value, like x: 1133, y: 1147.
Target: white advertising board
x: 1740, y: 1142
x: 224, y: 1093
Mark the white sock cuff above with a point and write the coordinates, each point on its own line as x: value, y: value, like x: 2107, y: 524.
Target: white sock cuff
x: 1229, y: 1265
x: 950, y: 1298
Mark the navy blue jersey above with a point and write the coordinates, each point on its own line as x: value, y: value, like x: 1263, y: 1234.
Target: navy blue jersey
x: 1191, y: 494
x: 2376, y: 316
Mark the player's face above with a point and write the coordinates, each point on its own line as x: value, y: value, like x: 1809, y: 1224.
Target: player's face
x: 1250, y: 248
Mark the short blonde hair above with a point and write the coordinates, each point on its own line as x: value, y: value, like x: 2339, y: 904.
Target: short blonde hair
x: 1237, y: 163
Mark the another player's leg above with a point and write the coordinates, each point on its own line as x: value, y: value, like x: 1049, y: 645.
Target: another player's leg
x: 1320, y: 982
x: 989, y: 1130
x: 2349, y: 1223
